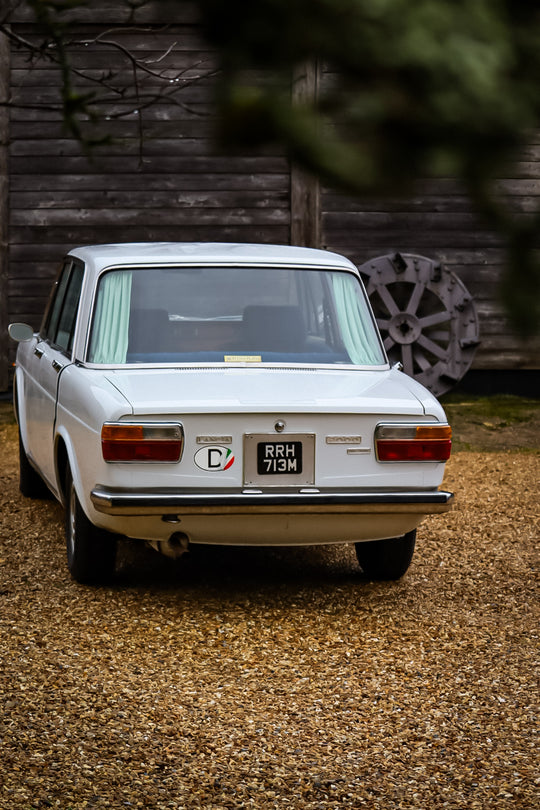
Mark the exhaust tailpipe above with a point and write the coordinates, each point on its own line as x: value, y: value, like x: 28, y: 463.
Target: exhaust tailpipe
x: 174, y: 547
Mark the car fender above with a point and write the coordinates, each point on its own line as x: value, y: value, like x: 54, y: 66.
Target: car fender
x: 85, y: 400
x: 428, y: 401
x: 65, y: 455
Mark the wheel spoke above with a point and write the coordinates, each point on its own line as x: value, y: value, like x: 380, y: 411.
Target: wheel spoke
x: 431, y: 347
x: 414, y: 300
x: 421, y: 359
x: 432, y: 320
x: 388, y: 343
x: 387, y: 299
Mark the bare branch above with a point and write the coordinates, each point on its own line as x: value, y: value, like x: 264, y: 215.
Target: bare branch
x: 109, y: 87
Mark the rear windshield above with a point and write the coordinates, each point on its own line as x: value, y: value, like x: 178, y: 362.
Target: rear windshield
x: 232, y: 314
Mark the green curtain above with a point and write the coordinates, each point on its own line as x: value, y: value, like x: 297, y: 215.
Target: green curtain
x: 110, y: 333
x: 358, y: 332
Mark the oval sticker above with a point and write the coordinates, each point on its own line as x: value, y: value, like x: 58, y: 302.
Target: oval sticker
x: 214, y: 458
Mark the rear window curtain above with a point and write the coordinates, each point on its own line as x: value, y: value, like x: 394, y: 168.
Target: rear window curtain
x: 111, y: 325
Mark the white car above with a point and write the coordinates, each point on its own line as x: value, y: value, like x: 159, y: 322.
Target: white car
x: 223, y: 393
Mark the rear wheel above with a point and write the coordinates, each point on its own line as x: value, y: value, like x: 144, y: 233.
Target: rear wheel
x: 30, y: 482
x: 91, y: 552
x: 386, y: 559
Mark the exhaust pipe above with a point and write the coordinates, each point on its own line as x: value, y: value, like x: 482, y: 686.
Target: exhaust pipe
x: 174, y: 547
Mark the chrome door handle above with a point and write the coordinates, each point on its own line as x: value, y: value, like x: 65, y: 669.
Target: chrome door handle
x: 57, y: 366
x: 38, y: 352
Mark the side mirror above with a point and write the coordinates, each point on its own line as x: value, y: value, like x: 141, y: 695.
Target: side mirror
x: 20, y: 332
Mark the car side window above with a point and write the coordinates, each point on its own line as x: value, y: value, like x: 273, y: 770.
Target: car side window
x: 60, y: 323
x: 66, y: 323
x: 52, y: 315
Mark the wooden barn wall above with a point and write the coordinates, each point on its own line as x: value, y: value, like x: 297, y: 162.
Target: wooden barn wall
x: 437, y: 222
x: 173, y: 184
x: 4, y: 212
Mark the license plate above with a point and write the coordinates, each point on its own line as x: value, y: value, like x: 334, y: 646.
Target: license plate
x: 279, y: 458
x: 287, y: 460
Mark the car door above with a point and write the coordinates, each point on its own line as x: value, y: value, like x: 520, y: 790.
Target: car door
x: 49, y: 354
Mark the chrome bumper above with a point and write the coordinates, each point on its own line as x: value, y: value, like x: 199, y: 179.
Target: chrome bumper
x: 165, y: 501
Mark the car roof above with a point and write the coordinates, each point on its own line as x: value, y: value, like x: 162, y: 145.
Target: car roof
x: 99, y: 257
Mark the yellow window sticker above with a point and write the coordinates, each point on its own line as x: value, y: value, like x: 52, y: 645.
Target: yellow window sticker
x: 242, y: 358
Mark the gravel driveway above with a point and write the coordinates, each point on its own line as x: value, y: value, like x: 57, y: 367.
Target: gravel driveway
x: 277, y: 679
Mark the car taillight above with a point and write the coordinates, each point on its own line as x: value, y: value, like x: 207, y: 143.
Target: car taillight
x: 125, y: 441
x: 430, y: 442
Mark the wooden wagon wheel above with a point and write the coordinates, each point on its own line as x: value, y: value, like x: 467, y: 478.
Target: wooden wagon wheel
x: 426, y: 316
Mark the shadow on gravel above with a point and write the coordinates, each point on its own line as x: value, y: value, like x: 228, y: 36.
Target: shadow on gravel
x: 237, y: 569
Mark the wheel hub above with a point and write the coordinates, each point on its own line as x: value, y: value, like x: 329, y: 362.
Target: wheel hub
x: 404, y: 328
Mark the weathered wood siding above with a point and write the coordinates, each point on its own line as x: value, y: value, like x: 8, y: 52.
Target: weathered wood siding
x: 4, y: 211
x: 437, y: 222
x: 175, y: 184
x: 171, y: 184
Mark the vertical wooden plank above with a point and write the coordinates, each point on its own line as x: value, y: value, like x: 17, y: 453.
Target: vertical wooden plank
x: 4, y: 211
x: 305, y: 190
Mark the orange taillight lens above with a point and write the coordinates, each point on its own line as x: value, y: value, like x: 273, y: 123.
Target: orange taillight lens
x: 402, y: 442
x: 127, y: 442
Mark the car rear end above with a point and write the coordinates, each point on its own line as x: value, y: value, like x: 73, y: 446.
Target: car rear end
x: 277, y: 458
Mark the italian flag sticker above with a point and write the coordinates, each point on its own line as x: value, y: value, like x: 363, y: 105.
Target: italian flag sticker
x: 214, y: 458
x: 229, y: 459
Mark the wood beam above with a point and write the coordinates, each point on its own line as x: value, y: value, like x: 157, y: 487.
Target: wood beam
x: 4, y: 210
x: 305, y: 189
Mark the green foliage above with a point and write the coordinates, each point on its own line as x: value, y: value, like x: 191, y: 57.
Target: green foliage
x: 411, y: 90
x: 417, y: 87
x: 507, y: 409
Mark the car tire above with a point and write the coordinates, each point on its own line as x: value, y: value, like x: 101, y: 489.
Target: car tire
x: 386, y: 559
x: 31, y: 484
x: 91, y: 552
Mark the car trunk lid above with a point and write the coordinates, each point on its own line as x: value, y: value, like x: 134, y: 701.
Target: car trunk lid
x: 263, y: 389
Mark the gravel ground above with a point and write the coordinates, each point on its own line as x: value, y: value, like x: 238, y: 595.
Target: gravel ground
x: 277, y: 678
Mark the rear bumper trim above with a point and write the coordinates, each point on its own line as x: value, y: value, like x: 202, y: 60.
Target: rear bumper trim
x: 163, y: 501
